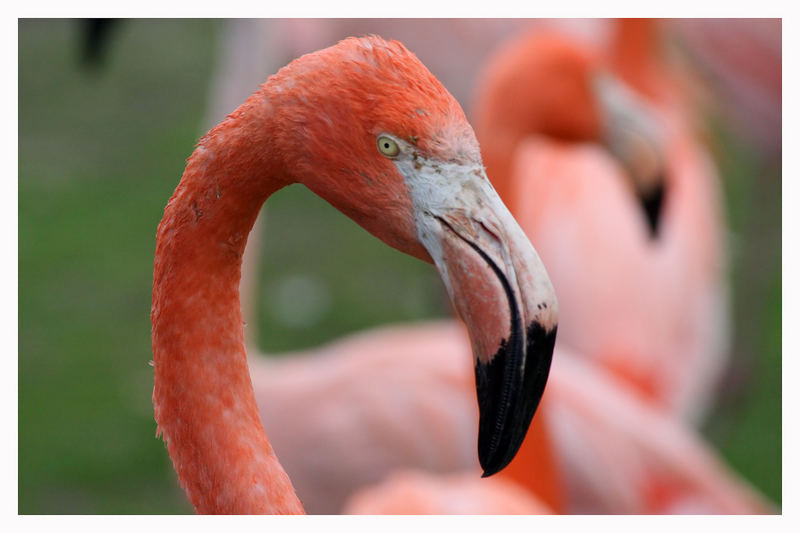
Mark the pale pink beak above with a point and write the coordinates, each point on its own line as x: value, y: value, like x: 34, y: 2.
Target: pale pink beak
x: 501, y: 290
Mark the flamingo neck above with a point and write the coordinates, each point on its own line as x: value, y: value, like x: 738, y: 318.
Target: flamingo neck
x: 634, y: 55
x: 203, y: 397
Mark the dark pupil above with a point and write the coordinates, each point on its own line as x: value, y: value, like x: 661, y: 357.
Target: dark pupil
x: 386, y: 145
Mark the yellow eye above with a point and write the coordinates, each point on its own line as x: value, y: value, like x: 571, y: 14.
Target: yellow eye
x: 388, y: 146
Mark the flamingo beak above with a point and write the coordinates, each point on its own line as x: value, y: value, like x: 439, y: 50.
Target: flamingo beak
x: 501, y: 290
x: 633, y: 135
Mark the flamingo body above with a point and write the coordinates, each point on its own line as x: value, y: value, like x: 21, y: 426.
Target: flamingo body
x: 660, y: 289
x: 663, y: 303
x: 616, y: 453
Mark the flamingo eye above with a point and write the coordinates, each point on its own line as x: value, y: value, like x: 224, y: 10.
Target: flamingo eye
x: 388, y: 146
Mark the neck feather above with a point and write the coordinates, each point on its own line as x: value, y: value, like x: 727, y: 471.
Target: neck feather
x: 203, y: 396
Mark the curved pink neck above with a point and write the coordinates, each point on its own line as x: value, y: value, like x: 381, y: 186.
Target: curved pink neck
x: 203, y: 396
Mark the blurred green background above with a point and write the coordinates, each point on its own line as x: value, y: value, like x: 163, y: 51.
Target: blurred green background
x: 100, y: 152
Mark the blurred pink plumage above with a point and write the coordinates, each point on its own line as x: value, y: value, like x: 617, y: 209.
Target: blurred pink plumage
x: 419, y: 492
x: 345, y: 415
x: 404, y: 397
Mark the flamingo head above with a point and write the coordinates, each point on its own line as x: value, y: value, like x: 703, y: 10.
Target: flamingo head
x: 384, y: 142
x: 548, y: 84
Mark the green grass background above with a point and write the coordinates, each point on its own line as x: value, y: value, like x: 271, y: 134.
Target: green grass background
x: 99, y: 155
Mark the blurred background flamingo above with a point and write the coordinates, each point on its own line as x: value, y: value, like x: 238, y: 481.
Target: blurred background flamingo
x: 312, y: 293
x: 638, y: 255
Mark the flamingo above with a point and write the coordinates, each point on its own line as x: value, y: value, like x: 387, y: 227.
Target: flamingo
x: 359, y: 387
x: 642, y: 248
x: 366, y: 126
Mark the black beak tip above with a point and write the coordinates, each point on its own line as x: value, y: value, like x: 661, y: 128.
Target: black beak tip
x: 652, y: 203
x: 510, y: 387
x: 493, y: 469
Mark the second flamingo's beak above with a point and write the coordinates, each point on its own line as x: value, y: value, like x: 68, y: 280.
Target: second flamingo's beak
x: 632, y: 133
x: 500, y: 289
